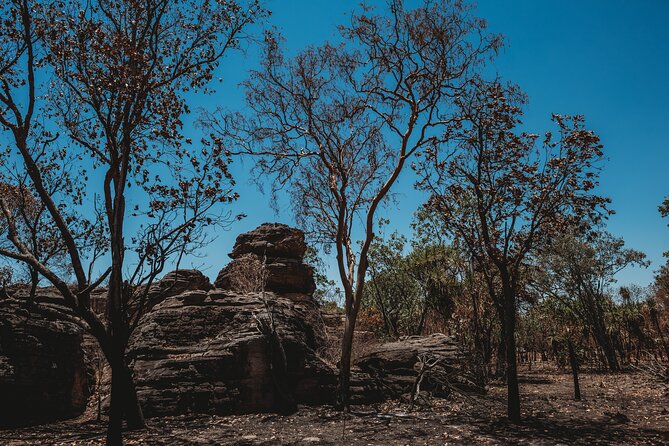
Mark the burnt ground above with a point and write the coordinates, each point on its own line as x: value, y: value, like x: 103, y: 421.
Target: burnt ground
x: 617, y: 409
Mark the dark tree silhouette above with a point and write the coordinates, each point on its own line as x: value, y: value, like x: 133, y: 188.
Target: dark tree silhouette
x: 120, y: 70
x: 500, y: 195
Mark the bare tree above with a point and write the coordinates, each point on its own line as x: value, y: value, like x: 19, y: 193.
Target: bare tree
x: 337, y: 124
x: 121, y: 68
x: 500, y: 196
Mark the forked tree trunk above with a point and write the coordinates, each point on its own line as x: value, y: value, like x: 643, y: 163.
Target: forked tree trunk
x: 124, y: 403
x: 605, y: 342
x: 599, y: 332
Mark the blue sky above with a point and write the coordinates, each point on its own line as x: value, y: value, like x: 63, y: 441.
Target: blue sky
x: 607, y: 60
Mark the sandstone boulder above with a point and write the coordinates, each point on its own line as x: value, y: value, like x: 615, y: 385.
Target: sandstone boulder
x: 268, y: 258
x: 172, y: 284
x: 43, y: 375
x: 209, y: 352
x: 279, y: 275
x: 271, y: 240
x: 396, y: 365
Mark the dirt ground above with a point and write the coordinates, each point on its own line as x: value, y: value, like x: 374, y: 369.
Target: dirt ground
x: 617, y: 409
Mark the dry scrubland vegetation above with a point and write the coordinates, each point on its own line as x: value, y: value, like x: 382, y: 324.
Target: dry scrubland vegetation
x: 102, y: 189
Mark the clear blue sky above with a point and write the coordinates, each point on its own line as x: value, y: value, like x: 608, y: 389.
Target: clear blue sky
x: 606, y: 59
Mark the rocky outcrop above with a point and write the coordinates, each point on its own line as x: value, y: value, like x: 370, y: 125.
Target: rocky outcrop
x: 268, y: 258
x: 43, y: 376
x: 172, y: 284
x: 208, y: 352
x: 271, y: 240
x: 397, y: 365
x: 247, y: 345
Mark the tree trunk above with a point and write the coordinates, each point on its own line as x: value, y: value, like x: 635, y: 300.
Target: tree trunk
x: 656, y: 322
x: 513, y: 391
x: 34, y: 280
x: 500, y: 366
x: 574, y: 370
x: 124, y: 403
x: 604, y: 341
x: 345, y: 363
x: 599, y: 332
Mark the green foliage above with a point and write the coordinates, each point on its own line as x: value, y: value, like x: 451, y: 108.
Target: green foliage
x: 404, y: 288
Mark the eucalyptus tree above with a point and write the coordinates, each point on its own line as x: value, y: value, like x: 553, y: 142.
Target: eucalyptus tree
x: 118, y: 72
x: 337, y: 124
x: 501, y: 192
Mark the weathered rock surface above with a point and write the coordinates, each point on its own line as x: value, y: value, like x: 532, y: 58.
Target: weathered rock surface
x: 271, y: 240
x: 268, y: 258
x: 205, y: 352
x: 43, y: 376
x: 396, y: 365
x: 236, y: 348
x: 172, y: 284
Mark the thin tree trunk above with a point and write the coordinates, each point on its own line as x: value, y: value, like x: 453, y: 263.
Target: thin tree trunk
x: 34, y: 280
x: 500, y: 367
x: 656, y: 322
x: 343, y: 388
x: 124, y: 404
x: 574, y: 370
x: 599, y: 331
x: 513, y: 390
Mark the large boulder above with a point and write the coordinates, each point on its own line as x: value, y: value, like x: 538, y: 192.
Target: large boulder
x: 271, y: 240
x: 269, y: 258
x: 248, y: 345
x: 172, y: 284
x: 279, y: 275
x: 212, y: 352
x: 43, y: 376
x: 397, y: 365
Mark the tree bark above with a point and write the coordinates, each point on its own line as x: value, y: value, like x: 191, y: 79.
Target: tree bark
x: 34, y: 280
x: 343, y: 387
x: 599, y: 331
x: 513, y: 391
x: 500, y: 366
x: 656, y: 322
x: 574, y: 370
x: 124, y: 403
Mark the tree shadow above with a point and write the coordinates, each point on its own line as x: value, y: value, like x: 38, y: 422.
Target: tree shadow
x: 590, y: 432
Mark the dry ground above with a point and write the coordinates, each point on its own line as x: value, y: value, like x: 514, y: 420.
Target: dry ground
x: 620, y: 409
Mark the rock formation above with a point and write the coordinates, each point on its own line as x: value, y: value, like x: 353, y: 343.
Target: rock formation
x: 273, y: 251
x: 247, y: 345
x: 397, y: 365
x: 43, y: 376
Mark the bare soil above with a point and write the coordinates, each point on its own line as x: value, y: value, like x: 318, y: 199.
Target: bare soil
x: 617, y: 409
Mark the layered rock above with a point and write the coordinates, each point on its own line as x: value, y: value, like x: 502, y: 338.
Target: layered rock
x: 397, y: 365
x: 248, y: 345
x: 268, y: 258
x: 43, y: 376
x: 251, y: 343
x: 172, y: 284
x: 271, y: 240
